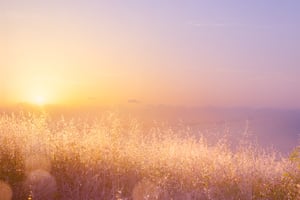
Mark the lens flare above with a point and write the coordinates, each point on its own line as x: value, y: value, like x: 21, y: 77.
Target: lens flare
x: 42, y: 184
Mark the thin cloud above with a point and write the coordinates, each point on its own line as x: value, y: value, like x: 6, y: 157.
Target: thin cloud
x: 211, y: 25
x: 226, y: 25
x: 133, y: 101
x: 16, y: 15
x: 92, y: 98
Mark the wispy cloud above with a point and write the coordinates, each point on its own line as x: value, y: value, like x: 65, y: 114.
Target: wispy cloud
x: 14, y: 14
x: 227, y: 25
x: 133, y: 101
x: 92, y: 98
x: 210, y: 25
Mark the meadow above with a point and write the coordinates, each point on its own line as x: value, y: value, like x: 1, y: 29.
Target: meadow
x: 114, y: 157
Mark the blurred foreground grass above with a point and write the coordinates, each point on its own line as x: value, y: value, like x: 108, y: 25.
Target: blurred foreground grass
x: 114, y: 158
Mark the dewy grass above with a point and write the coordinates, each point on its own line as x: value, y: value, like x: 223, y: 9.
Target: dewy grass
x: 115, y: 158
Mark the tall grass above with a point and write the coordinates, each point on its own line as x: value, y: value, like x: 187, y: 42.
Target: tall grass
x: 115, y: 158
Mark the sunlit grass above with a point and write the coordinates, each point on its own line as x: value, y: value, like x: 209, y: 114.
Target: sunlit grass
x: 115, y: 158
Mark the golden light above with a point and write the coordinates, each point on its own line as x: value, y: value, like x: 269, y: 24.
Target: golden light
x: 39, y: 100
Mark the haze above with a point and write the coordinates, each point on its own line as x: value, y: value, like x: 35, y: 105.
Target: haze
x: 194, y: 53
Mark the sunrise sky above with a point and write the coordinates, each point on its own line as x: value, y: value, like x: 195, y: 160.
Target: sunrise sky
x: 199, y: 53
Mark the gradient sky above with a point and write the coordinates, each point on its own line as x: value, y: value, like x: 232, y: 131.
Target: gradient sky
x: 219, y: 53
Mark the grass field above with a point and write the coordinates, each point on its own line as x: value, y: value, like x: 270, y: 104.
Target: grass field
x: 115, y: 158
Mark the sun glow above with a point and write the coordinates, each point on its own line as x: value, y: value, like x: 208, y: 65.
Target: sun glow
x: 39, y: 100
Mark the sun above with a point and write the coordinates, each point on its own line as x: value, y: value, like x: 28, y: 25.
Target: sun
x: 39, y: 100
